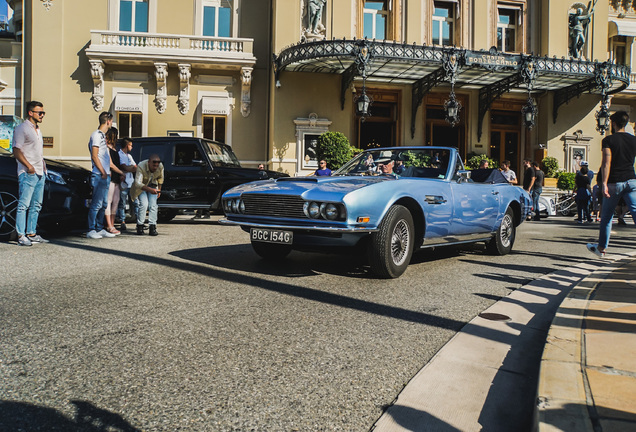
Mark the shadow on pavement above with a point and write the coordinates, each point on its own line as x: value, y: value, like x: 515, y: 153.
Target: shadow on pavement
x: 415, y: 420
x: 26, y: 417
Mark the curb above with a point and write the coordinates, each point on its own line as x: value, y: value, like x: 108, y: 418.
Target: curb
x: 563, y: 394
x: 482, y: 378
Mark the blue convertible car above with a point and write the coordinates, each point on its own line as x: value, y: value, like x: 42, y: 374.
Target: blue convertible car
x: 388, y: 201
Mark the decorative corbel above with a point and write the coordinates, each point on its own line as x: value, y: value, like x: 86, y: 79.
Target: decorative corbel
x: 161, y: 74
x: 246, y: 101
x: 184, y: 88
x: 97, y: 72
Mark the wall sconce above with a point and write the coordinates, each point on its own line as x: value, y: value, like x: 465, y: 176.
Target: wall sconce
x: 529, y: 112
x: 452, y: 108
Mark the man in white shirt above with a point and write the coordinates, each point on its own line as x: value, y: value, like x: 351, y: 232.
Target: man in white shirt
x: 100, y: 178
x: 27, y: 149
x: 508, y: 173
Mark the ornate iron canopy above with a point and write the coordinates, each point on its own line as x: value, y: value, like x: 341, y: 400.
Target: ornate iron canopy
x: 422, y: 67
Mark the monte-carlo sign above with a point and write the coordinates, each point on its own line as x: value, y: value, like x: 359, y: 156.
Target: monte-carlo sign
x: 489, y: 60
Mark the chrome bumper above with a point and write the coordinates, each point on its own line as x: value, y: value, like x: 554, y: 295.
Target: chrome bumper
x: 361, y: 230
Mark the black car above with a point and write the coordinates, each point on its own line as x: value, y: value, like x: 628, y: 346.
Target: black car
x: 197, y: 172
x: 66, y: 192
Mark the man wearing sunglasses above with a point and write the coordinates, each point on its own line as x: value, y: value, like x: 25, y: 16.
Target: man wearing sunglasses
x: 100, y: 178
x: 322, y: 169
x: 147, y: 189
x: 27, y: 149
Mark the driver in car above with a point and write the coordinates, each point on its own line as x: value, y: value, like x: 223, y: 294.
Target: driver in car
x: 386, y: 168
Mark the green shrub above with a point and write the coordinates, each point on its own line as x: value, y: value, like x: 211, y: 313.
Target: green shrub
x: 550, y: 166
x: 334, y: 148
x: 566, y: 181
x: 475, y: 160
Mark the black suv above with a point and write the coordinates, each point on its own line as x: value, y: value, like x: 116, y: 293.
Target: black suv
x: 197, y: 172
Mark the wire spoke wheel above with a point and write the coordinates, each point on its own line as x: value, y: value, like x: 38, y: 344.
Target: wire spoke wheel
x: 391, y: 246
x: 504, y: 238
x: 400, y: 242
x: 506, y: 230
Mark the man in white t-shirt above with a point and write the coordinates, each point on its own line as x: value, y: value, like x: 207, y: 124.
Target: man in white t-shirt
x: 508, y: 173
x: 100, y: 178
x: 27, y: 149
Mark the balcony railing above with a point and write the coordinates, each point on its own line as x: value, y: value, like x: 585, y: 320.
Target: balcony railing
x: 168, y: 47
x: 632, y: 83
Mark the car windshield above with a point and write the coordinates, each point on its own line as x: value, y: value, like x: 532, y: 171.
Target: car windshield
x: 221, y: 156
x: 424, y: 163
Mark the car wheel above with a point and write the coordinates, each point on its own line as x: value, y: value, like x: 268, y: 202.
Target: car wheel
x: 271, y: 251
x: 166, y: 215
x: 504, y: 238
x: 8, y: 210
x: 391, y: 246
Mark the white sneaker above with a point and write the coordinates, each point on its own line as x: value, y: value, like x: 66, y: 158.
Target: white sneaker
x: 93, y: 235
x: 24, y: 241
x: 592, y: 247
x: 105, y: 233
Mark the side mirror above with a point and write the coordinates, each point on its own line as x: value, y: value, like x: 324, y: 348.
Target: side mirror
x: 463, y: 176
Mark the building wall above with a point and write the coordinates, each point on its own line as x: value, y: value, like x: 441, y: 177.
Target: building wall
x: 57, y: 72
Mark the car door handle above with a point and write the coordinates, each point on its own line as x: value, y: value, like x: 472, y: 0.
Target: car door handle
x: 495, y: 192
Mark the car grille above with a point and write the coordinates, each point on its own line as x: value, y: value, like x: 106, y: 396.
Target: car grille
x: 274, y: 205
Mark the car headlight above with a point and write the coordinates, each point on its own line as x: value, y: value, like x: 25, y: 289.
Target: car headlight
x: 235, y: 204
x: 241, y: 207
x: 55, y: 177
x: 329, y: 211
x: 312, y: 210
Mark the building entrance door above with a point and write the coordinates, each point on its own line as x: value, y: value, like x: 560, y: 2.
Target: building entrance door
x: 438, y: 131
x: 505, y: 133
x: 378, y: 130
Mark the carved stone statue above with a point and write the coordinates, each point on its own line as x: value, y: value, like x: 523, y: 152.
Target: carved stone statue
x: 312, y: 10
x: 578, y: 23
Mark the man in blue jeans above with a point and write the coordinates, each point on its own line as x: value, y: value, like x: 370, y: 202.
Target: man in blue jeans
x: 618, y: 177
x: 27, y: 149
x: 145, y: 190
x: 537, y: 189
x: 100, y: 178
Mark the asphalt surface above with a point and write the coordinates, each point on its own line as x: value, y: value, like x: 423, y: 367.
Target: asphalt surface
x: 191, y: 331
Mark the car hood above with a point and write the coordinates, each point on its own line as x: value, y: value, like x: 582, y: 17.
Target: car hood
x: 335, y: 188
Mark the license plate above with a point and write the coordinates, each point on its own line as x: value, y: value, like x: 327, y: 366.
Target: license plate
x: 271, y: 236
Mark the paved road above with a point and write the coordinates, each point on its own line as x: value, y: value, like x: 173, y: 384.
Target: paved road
x: 191, y: 331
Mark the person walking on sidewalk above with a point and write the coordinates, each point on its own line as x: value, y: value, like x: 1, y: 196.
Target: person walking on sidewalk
x: 100, y: 178
x: 537, y: 189
x: 619, y: 177
x: 147, y: 189
x: 27, y: 149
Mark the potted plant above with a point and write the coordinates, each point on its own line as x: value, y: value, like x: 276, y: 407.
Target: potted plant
x: 565, y: 181
x: 551, y: 171
x: 335, y: 149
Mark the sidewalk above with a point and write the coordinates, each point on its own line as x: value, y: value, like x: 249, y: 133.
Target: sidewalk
x: 577, y: 325
x: 588, y: 369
